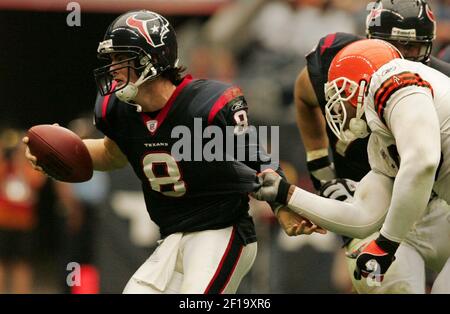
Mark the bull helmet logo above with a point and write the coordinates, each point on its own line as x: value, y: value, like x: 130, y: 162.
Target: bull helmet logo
x: 153, y: 29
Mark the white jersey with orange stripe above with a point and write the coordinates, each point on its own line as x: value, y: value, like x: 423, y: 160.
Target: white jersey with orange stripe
x: 389, y: 85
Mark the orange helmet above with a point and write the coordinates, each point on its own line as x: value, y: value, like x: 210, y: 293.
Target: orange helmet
x: 348, y: 77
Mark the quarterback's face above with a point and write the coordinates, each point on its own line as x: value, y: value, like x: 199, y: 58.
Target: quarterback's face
x: 120, y: 69
x: 411, y: 51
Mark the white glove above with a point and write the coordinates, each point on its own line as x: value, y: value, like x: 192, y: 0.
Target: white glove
x: 339, y: 189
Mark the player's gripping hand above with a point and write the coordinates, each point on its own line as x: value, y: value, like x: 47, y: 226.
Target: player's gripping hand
x: 374, y: 259
x: 31, y: 158
x: 339, y: 189
x: 273, y: 188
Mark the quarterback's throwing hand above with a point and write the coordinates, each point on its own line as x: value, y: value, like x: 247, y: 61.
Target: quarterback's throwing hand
x: 31, y: 158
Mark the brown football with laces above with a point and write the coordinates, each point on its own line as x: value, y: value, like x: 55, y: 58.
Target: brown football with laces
x: 61, y: 153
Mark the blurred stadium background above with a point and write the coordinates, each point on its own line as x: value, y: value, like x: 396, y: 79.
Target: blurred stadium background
x: 46, y: 77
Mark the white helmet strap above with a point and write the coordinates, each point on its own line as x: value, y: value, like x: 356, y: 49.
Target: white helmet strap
x: 129, y: 92
x: 357, y: 125
x: 336, y: 113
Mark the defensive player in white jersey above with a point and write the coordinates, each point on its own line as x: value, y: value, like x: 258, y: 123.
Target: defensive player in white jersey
x: 407, y: 107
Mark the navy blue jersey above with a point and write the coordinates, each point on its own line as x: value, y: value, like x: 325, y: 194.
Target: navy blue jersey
x: 444, y: 55
x: 353, y: 163
x: 184, y: 195
x: 441, y: 65
x: 319, y: 60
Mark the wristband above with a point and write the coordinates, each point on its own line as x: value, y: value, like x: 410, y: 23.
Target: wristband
x: 317, y: 164
x: 283, y: 190
x: 320, y: 167
x: 387, y: 245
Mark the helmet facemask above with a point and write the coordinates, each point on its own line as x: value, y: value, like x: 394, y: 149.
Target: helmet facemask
x: 150, y: 42
x: 337, y: 93
x: 138, y: 61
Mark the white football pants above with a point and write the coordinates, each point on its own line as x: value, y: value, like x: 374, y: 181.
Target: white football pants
x: 211, y: 261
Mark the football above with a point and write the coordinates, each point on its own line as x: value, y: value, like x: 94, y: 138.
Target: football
x: 60, y: 152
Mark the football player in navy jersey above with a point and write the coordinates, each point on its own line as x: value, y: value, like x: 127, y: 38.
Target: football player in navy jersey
x: 410, y: 26
x: 200, y: 205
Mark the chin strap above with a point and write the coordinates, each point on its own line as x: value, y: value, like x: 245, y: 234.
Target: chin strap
x: 138, y: 108
x: 357, y: 125
x: 129, y: 92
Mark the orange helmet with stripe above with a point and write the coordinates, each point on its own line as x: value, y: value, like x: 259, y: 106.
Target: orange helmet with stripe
x: 348, y: 78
